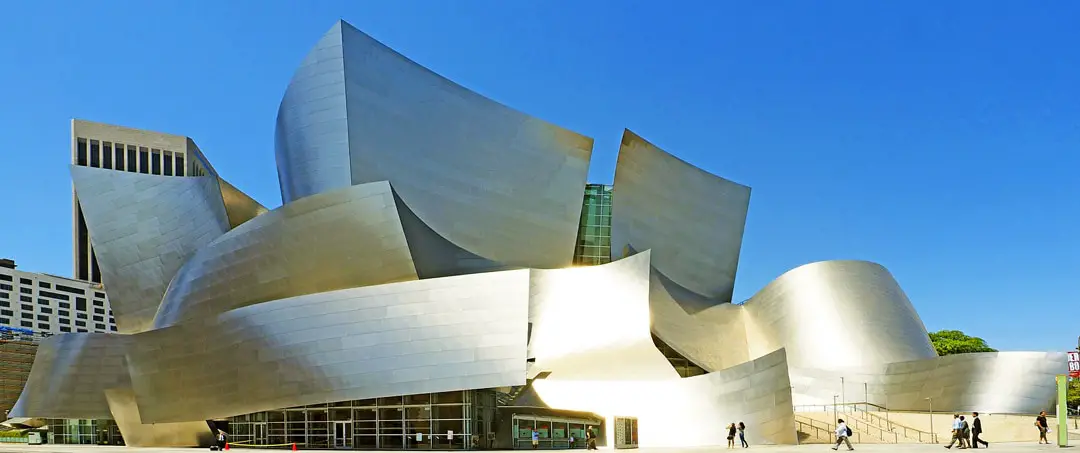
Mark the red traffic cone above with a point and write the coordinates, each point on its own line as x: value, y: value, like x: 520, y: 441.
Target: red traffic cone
x: 294, y: 446
x: 226, y: 445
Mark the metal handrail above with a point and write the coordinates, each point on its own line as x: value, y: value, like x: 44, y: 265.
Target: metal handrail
x: 908, y: 432
x: 827, y: 429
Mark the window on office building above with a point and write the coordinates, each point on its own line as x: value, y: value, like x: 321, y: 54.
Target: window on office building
x: 155, y: 161
x: 63, y: 312
x: 80, y: 151
x: 5, y: 277
x: 27, y: 307
x: 26, y: 299
x: 99, y: 311
x: 7, y: 313
x: 65, y: 329
x: 45, y: 310
x: 42, y: 318
x: 43, y: 326
x: 144, y: 160
x: 99, y: 318
x: 106, y: 155
x: 26, y: 290
x: 27, y: 324
x: 119, y: 151
x: 26, y: 281
x: 132, y: 159
x: 50, y: 294
x: 99, y: 303
x: 99, y: 326
x: 26, y: 315
x: 5, y: 287
x: 95, y: 154
x: 80, y: 323
x: 80, y: 303
x: 81, y: 315
x: 65, y: 305
x: 180, y: 169
x: 65, y: 321
x: 45, y: 285
x: 167, y: 159
x: 68, y: 289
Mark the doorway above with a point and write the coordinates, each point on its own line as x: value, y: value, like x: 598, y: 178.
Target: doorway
x: 258, y: 431
x: 343, y: 435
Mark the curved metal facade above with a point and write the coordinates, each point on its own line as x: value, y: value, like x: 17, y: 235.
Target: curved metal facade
x: 396, y: 183
x: 692, y: 220
x: 422, y: 336
x: 493, y: 181
x: 340, y: 239
x: 70, y: 375
x: 144, y: 227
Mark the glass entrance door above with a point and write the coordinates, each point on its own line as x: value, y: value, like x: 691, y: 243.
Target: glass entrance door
x: 258, y: 431
x: 342, y: 434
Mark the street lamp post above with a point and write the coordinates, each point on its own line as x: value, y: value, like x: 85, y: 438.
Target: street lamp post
x: 933, y: 438
x: 835, y: 418
x: 866, y: 397
x: 843, y: 393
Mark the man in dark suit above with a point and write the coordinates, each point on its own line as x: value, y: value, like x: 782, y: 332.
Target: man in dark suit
x: 976, y: 429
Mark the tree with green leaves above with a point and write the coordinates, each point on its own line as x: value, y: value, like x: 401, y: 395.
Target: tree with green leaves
x: 948, y: 342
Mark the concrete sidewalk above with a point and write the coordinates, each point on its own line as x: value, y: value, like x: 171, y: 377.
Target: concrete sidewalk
x: 883, y: 448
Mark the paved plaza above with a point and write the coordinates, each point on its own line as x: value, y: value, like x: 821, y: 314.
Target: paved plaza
x: 997, y: 448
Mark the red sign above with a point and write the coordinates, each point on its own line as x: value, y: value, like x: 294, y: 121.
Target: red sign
x: 1074, y: 364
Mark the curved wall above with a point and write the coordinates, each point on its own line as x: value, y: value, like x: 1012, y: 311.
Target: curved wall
x: 493, y: 181
x: 422, y: 336
x: 344, y: 238
x: 821, y: 308
x: 143, y: 228
x: 70, y: 375
x: 692, y: 221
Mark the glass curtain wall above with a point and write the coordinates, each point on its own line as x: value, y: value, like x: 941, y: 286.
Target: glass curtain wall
x: 84, y: 432
x: 428, y: 421
x: 594, y: 230
x: 554, y: 432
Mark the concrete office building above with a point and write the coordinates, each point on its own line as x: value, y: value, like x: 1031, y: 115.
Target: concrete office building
x: 417, y: 289
x: 48, y: 304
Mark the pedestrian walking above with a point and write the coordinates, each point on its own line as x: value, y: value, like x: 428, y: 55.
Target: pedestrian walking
x: 1040, y: 422
x: 742, y: 435
x: 731, y: 435
x: 842, y: 435
x: 976, y: 430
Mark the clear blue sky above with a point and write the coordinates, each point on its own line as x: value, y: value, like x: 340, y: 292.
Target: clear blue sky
x: 940, y: 139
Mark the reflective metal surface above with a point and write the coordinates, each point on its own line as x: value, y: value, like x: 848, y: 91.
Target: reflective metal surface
x: 143, y: 228
x: 422, y: 336
x: 340, y: 239
x: 125, y: 411
x: 497, y: 183
x: 238, y: 205
x: 70, y: 375
x: 994, y: 382
x: 692, y: 220
x: 597, y: 367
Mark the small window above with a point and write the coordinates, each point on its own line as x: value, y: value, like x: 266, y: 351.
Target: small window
x: 29, y: 324
x: 65, y: 329
x: 42, y: 317
x: 7, y: 313
x: 119, y: 156
x: 26, y: 290
x: 99, y: 303
x: 155, y: 162
x: 65, y: 321
x: 132, y: 161
x: 5, y: 321
x: 81, y: 315
x: 63, y: 313
x: 80, y: 151
x: 112, y: 328
x: 45, y: 285
x: 5, y: 286
x: 26, y: 299
x: 26, y: 315
x: 106, y: 155
x: 68, y: 289
x: 41, y: 301
x: 99, y: 311
x: 180, y: 169
x: 80, y: 303
x: 168, y: 163
x: 27, y: 307
x: 99, y: 318
x: 99, y: 326
x: 4, y: 303
x: 95, y: 154
x: 99, y: 294
x: 43, y: 326
x: 53, y: 295
x: 81, y: 330
x: 5, y: 277
x: 26, y: 281
x: 45, y: 310
x: 80, y: 323
x: 144, y: 160
x: 65, y: 305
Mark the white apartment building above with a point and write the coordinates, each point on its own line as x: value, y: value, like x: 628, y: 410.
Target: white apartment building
x: 48, y: 304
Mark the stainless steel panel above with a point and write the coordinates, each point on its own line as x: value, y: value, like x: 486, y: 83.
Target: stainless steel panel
x: 125, y: 411
x: 713, y: 339
x: 238, y: 205
x: 692, y: 221
x: 422, y: 336
x: 835, y: 315
x: 70, y: 375
x: 492, y: 181
x: 143, y: 228
x: 339, y: 239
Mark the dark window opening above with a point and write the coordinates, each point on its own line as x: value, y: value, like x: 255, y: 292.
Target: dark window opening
x: 63, y: 313
x: 6, y: 278
x: 42, y: 318
x: 28, y: 324
x: 7, y: 313
x: 43, y: 326
x: 80, y: 303
x: 144, y: 160
x: 84, y: 250
x: 45, y: 285
x: 68, y: 289
x: 180, y: 169
x: 45, y: 310
x: 26, y: 290
x: 168, y: 164
x: 155, y: 162
x: 99, y: 294
x: 80, y: 152
x: 26, y: 299
x: 52, y: 295
x: 95, y: 154
x: 132, y: 161
x: 119, y: 150
x: 99, y: 326
x: 95, y: 271
x: 106, y: 155
x: 27, y: 315
x: 65, y: 329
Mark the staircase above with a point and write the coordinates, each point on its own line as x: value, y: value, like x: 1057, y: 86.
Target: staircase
x: 866, y: 427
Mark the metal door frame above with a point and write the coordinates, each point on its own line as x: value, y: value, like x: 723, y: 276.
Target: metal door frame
x: 342, y: 434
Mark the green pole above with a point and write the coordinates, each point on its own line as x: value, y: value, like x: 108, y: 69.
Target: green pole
x: 1062, y: 411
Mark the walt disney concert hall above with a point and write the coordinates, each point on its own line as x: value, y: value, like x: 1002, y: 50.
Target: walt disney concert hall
x: 440, y: 275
